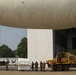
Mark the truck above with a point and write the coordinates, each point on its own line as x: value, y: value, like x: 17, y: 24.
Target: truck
x: 62, y: 62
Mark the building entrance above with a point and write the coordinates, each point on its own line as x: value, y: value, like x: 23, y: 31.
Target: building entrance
x: 64, y: 40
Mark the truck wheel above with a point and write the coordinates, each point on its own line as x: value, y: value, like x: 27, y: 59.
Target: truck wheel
x: 65, y: 67
x: 53, y: 67
x: 58, y: 67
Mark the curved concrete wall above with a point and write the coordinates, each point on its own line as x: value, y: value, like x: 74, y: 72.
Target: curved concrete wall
x: 48, y: 14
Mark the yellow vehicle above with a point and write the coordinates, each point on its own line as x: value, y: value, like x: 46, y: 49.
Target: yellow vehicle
x: 62, y: 62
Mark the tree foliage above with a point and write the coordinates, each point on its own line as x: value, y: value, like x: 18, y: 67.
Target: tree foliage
x: 5, y: 51
x: 15, y: 52
x: 22, y: 48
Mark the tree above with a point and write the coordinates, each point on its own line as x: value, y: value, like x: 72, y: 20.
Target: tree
x: 22, y: 48
x: 15, y: 52
x: 5, y: 51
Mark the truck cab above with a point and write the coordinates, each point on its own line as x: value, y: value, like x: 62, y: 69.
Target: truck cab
x: 62, y: 61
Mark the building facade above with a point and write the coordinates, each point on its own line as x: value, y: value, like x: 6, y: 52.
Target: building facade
x: 40, y: 45
x: 45, y: 44
x: 64, y: 41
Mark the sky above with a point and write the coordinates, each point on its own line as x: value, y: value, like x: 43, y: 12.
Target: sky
x: 11, y: 36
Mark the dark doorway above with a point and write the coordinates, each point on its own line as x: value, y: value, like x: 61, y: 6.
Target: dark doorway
x: 74, y: 43
x: 64, y: 41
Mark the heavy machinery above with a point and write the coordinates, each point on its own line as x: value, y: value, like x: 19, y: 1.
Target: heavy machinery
x: 62, y: 62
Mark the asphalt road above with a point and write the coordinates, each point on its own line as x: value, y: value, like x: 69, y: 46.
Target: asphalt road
x: 13, y: 71
x: 13, y: 68
x: 36, y: 73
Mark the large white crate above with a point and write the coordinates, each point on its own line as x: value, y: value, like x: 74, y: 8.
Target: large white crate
x: 23, y: 64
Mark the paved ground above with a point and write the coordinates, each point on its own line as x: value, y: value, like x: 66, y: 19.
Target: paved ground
x: 13, y: 71
x: 36, y: 73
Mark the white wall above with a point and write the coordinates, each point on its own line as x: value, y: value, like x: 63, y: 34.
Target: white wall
x: 40, y: 45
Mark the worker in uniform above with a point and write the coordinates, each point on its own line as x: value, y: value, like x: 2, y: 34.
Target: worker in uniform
x: 36, y: 66
x: 32, y: 65
x: 7, y: 63
x: 52, y: 66
x: 41, y: 65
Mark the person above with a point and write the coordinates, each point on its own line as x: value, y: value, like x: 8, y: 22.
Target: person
x: 40, y: 65
x: 52, y: 67
x: 36, y: 66
x: 7, y: 63
x: 43, y: 66
x: 32, y: 65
